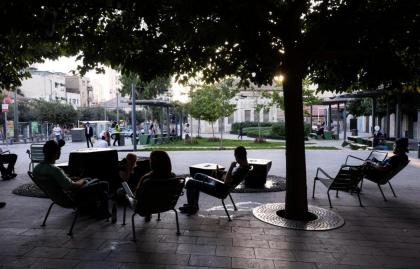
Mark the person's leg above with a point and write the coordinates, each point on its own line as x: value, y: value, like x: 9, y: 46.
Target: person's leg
x: 200, y: 182
x: 2, y: 169
x: 95, y: 197
x: 87, y: 141
x: 2, y: 204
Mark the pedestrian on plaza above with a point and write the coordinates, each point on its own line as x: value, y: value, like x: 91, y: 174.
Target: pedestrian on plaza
x: 241, y: 131
x: 187, y: 131
x: 88, y: 134
x: 117, y: 132
x: 57, y: 132
x: 102, y: 143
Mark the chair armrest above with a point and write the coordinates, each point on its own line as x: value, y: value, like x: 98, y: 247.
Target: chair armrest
x: 131, y: 201
x: 323, y: 172
x: 354, y: 157
x: 5, y: 152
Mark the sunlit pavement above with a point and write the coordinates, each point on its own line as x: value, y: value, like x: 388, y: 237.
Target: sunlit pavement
x: 382, y: 234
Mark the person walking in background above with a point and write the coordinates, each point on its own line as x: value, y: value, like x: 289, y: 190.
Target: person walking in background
x: 57, y: 132
x: 187, y: 131
x: 117, y: 132
x: 88, y: 134
x: 241, y: 131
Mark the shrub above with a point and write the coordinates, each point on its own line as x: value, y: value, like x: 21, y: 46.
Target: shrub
x: 260, y: 140
x: 191, y: 141
x: 213, y: 139
x: 247, y: 124
x: 278, y: 129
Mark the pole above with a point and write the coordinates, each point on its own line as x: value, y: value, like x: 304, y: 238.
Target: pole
x: 311, y: 118
x: 345, y: 122
x: 338, y: 121
x: 133, y: 115
x: 5, y: 127
x: 373, y: 114
x: 15, y: 118
x: 118, y: 108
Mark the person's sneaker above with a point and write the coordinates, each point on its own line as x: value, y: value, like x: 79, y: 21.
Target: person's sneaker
x: 12, y: 175
x: 190, y: 210
x: 2, y: 204
x: 147, y: 218
x: 6, y: 177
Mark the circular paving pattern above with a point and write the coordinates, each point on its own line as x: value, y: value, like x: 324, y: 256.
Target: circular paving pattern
x: 327, y: 219
x: 29, y: 189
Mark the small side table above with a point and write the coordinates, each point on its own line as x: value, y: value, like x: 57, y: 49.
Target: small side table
x: 258, y: 175
x: 205, y: 168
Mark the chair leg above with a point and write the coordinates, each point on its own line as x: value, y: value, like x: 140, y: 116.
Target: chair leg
x: 133, y: 228
x: 329, y: 199
x: 227, y: 213
x: 361, y: 185
x: 383, y: 195
x: 233, y: 203
x: 158, y: 219
x: 124, y: 213
x: 76, y: 213
x: 177, y: 223
x: 313, y: 190
x: 46, y: 216
x: 336, y: 194
x: 360, y: 200
x: 392, y: 189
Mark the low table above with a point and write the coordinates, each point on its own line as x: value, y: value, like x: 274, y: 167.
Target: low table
x: 205, y: 168
x: 257, y: 177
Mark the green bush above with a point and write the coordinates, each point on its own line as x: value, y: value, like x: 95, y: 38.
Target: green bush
x: 254, y: 131
x: 278, y: 129
x: 247, y: 124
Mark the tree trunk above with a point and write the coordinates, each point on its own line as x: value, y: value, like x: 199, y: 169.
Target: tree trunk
x: 199, y: 129
x: 212, y: 128
x: 296, y: 192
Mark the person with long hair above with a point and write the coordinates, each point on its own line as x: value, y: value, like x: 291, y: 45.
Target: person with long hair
x: 161, y: 168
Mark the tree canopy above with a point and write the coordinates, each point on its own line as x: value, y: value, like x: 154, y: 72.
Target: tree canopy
x: 148, y: 90
x: 341, y: 44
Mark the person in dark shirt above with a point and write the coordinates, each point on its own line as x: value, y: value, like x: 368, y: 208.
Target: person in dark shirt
x: 201, y: 182
x: 376, y: 170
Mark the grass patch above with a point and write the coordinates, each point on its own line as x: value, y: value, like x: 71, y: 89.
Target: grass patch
x: 228, y: 144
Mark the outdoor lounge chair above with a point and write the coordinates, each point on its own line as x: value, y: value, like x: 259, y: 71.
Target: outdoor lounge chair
x: 373, y: 155
x: 223, y: 196
x: 347, y: 179
x: 154, y: 197
x: 57, y: 195
x: 36, y: 154
x: 385, y: 178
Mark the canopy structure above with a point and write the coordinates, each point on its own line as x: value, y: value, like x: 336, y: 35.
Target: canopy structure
x: 344, y: 98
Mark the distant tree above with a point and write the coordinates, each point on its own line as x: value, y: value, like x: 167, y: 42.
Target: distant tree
x: 55, y: 112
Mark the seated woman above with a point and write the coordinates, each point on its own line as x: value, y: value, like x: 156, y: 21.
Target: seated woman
x: 376, y: 170
x: 126, y: 170
x: 201, y: 182
x: 161, y: 168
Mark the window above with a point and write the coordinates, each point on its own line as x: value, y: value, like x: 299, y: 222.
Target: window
x: 266, y: 115
x: 247, y: 115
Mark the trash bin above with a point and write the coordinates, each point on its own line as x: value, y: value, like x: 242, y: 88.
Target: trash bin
x: 354, y: 132
x: 78, y: 135
x: 122, y: 140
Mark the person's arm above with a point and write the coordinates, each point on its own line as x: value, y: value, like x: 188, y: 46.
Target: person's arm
x: 228, y: 177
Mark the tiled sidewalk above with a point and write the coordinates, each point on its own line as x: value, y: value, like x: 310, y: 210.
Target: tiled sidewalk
x: 380, y: 235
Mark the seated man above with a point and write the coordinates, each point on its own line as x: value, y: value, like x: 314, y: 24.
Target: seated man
x: 202, y: 182
x: 93, y: 195
x: 375, y: 169
x: 10, y: 159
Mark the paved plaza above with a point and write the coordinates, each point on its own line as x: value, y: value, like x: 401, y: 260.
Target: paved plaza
x: 380, y: 235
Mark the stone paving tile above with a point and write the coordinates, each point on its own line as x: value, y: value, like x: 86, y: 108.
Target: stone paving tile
x: 250, y: 243
x: 235, y: 252
x: 215, y: 241
x: 128, y: 256
x: 18, y: 262
x: 294, y: 265
x: 210, y: 261
x: 183, y: 267
x: 97, y: 265
x: 313, y: 256
x: 87, y: 255
x: 145, y: 266
x: 274, y: 254
x: 252, y: 263
x: 14, y: 250
x: 196, y: 249
x: 178, y: 259
x: 47, y: 252
x: 179, y: 239
x: 54, y: 263
x: 355, y: 259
